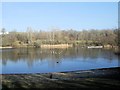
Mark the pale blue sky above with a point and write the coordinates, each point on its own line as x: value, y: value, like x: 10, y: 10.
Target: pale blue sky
x: 60, y: 0
x: 79, y: 15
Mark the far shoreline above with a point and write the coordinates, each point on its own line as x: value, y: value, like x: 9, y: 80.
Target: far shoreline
x: 6, y: 47
x: 60, y: 46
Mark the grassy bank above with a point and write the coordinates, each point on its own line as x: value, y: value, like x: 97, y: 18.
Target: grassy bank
x: 97, y: 78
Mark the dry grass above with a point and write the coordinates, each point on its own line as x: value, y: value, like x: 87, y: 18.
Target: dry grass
x: 56, y: 46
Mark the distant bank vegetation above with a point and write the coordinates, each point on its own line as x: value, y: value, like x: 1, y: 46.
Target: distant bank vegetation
x: 32, y: 38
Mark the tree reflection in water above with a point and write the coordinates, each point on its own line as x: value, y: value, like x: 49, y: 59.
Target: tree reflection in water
x: 54, y: 56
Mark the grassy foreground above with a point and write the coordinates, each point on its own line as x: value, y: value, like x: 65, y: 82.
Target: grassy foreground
x: 96, y: 78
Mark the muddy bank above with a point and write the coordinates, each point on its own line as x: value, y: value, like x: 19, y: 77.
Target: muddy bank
x: 96, y: 78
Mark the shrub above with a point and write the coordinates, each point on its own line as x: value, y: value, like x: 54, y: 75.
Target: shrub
x: 37, y: 43
x: 16, y: 44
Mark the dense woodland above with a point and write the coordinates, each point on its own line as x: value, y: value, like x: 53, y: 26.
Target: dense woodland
x: 56, y: 36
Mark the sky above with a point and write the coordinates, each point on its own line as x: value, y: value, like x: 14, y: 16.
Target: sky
x: 60, y: 0
x: 62, y: 15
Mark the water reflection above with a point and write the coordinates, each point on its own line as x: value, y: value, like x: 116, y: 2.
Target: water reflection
x: 54, y: 57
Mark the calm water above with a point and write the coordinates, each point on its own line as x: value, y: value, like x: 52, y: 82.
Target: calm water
x: 55, y: 60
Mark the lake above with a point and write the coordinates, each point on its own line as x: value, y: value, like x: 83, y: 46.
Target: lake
x: 36, y: 60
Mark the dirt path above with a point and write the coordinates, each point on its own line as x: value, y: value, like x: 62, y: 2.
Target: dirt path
x: 99, y: 78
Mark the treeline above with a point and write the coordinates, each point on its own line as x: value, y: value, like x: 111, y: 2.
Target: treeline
x: 82, y: 38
